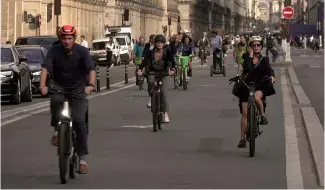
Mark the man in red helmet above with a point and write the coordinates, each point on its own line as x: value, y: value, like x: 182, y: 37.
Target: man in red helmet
x: 73, y: 72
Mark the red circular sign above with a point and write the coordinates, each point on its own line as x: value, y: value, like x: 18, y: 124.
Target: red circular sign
x: 288, y: 12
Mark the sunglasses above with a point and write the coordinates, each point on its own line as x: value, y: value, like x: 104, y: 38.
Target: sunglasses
x: 256, y: 45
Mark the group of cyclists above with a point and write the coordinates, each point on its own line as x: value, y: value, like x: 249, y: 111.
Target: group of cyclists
x: 72, y: 70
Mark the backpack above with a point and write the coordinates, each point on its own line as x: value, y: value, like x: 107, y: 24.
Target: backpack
x: 269, y: 43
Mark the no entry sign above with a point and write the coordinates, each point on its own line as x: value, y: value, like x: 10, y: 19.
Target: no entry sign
x: 288, y: 12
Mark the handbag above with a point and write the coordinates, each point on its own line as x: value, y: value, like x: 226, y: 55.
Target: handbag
x: 236, y: 90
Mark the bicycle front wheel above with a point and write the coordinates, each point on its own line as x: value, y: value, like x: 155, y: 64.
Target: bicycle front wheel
x: 63, y: 152
x: 251, y: 124
x: 154, y: 110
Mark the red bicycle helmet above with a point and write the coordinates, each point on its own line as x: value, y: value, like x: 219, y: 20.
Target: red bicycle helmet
x: 67, y: 30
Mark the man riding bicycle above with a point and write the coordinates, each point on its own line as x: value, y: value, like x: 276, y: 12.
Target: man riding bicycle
x: 137, y: 54
x: 69, y: 65
x: 158, y: 61
x: 203, y: 45
x: 216, y: 44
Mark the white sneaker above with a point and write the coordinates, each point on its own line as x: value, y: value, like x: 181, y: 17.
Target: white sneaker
x: 149, y: 103
x: 166, y: 118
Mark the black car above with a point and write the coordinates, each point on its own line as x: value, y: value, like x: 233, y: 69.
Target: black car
x: 35, y: 55
x: 15, y: 75
x: 44, y: 41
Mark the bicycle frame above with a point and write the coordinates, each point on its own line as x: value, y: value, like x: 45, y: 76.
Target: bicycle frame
x: 157, y: 103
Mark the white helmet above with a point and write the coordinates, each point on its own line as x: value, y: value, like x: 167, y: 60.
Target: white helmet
x: 254, y: 39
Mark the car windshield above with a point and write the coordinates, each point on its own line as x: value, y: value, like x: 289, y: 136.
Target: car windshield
x: 121, y: 41
x: 6, y: 55
x: 32, y: 55
x: 99, y: 45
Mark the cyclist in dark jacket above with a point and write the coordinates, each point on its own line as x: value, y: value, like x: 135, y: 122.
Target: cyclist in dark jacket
x: 255, y: 68
x: 158, y: 61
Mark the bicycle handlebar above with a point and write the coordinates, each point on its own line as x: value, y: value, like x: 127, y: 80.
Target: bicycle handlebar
x: 239, y: 78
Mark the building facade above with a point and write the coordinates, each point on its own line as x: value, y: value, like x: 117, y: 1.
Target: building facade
x: 88, y: 16
x: 170, y: 10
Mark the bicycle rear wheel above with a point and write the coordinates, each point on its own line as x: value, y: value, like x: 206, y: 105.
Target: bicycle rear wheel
x: 251, y: 124
x: 63, y: 151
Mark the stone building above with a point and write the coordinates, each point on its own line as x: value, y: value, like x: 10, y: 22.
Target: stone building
x: 88, y: 16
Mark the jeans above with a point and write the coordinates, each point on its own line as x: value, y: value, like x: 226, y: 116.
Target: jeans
x: 79, y: 106
x: 151, y: 84
x: 275, y: 54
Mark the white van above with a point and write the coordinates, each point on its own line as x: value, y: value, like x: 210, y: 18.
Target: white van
x: 99, y: 47
x: 125, y: 49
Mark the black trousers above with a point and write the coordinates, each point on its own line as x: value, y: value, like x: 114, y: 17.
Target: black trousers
x: 79, y: 105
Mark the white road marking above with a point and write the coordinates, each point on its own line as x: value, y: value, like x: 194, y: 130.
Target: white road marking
x: 137, y: 126
x: 21, y: 110
x: 293, y: 168
x: 47, y: 108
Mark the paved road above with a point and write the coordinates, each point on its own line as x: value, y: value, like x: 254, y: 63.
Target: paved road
x: 309, y: 67
x: 198, y: 149
x: 116, y: 73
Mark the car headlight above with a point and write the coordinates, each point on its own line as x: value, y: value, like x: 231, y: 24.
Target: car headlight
x: 4, y: 74
x: 37, y: 73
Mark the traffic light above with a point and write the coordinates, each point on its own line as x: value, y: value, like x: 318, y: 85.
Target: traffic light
x: 49, y: 12
x: 254, y: 26
x: 37, y: 20
x: 57, y: 7
x: 179, y: 19
x: 169, y: 20
x: 126, y: 15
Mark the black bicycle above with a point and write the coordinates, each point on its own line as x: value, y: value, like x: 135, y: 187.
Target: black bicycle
x: 157, y: 101
x: 253, y: 118
x: 68, y: 158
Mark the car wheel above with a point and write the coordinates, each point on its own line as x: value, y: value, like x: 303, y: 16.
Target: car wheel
x: 16, y: 97
x: 28, y: 92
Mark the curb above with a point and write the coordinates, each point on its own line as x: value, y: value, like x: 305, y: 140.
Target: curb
x: 315, y: 134
x: 314, y: 129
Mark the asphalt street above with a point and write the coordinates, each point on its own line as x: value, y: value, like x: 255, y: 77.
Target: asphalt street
x: 309, y: 67
x: 116, y: 75
x: 198, y: 149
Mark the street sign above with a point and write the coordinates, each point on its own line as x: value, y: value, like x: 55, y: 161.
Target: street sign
x: 288, y: 12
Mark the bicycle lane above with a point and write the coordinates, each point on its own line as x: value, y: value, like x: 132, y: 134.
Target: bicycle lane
x: 198, y: 149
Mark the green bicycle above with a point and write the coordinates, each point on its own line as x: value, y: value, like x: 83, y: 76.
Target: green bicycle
x: 138, y: 62
x: 182, y: 70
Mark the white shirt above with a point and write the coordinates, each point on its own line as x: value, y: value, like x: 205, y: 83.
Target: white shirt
x: 84, y: 44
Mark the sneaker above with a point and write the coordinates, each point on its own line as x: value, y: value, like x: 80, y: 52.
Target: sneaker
x: 264, y: 120
x: 54, y: 139
x: 83, y: 167
x: 166, y: 118
x: 242, y: 143
x: 149, y: 103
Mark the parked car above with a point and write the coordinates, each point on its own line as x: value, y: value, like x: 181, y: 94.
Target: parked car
x: 15, y: 75
x: 35, y: 55
x: 45, y: 41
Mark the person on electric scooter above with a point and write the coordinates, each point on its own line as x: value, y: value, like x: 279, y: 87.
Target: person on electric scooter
x: 186, y: 49
x: 216, y: 45
x: 158, y: 60
x: 255, y: 69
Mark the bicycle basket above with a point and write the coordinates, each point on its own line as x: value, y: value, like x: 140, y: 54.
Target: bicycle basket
x: 138, y: 60
x: 184, y: 60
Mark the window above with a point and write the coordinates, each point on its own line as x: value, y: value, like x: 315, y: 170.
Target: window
x: 32, y: 55
x: 99, y: 45
x: 121, y: 41
x: 6, y: 55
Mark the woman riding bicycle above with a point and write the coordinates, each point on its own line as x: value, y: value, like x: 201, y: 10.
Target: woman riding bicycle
x: 158, y: 60
x: 186, y: 49
x: 255, y: 69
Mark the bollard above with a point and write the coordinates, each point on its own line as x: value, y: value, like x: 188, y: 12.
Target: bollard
x: 109, y: 54
x: 97, y: 79
x: 108, y: 85
x: 126, y: 78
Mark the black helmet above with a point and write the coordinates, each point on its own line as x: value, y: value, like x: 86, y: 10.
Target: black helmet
x: 160, y: 38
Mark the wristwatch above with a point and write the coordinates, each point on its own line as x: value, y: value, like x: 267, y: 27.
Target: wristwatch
x: 91, y: 85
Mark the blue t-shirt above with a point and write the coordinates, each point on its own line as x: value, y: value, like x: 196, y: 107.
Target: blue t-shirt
x: 69, y: 71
